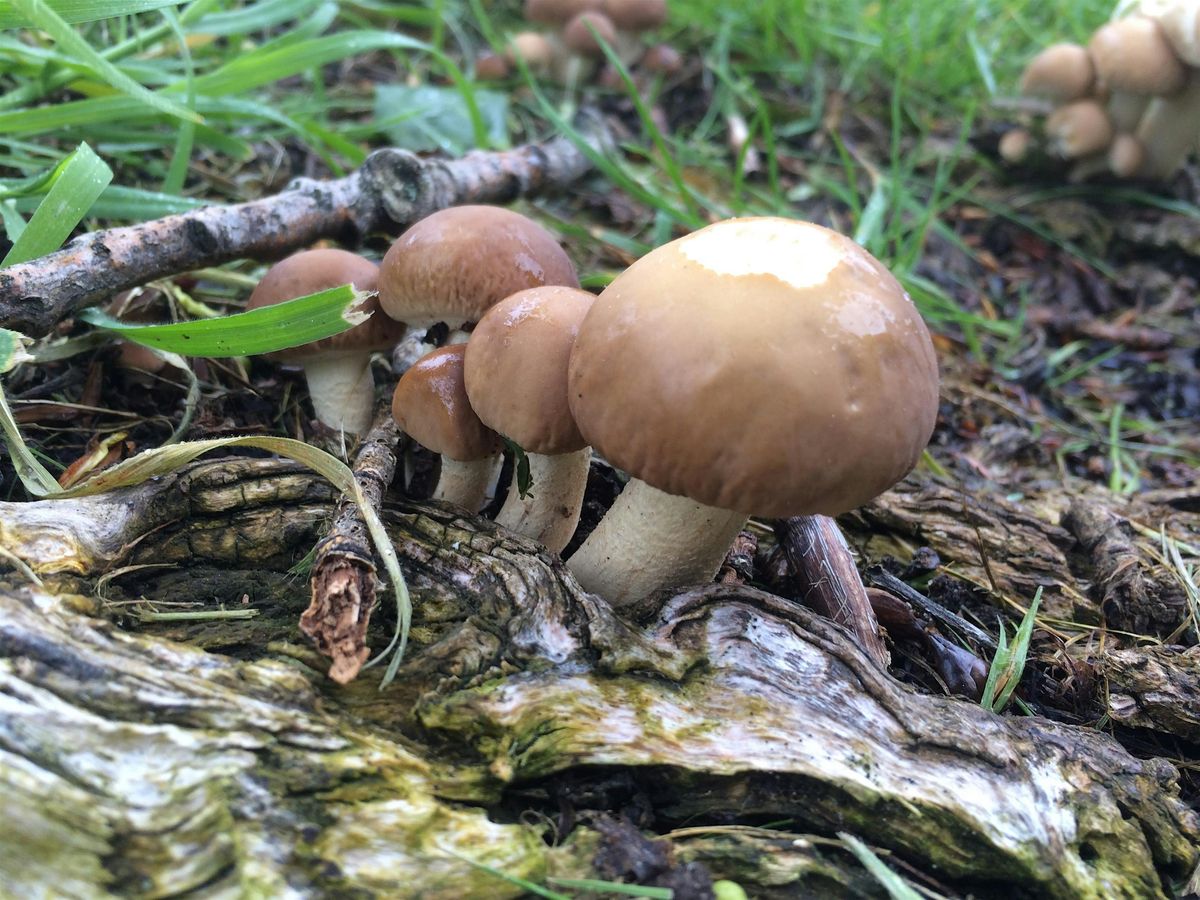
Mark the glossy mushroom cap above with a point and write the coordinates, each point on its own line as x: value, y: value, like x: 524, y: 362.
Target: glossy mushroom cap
x: 636, y: 15
x: 431, y: 405
x: 661, y: 59
x: 516, y: 367
x: 311, y: 271
x: 556, y: 12
x: 764, y: 365
x: 1061, y: 72
x: 453, y: 265
x: 1078, y: 129
x: 580, y: 37
x: 1134, y: 55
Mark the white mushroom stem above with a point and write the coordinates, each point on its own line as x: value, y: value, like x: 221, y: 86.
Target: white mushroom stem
x: 465, y: 483
x: 650, y: 540
x: 1170, y: 129
x: 550, y: 511
x: 342, y: 390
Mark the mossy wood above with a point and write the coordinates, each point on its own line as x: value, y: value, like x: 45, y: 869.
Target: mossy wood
x: 149, y: 757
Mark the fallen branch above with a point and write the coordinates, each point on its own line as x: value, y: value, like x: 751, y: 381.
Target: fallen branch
x: 391, y: 189
x: 343, y: 575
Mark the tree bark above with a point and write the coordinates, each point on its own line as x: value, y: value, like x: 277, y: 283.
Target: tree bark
x: 134, y: 762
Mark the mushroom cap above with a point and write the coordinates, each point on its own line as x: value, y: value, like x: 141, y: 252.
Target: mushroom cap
x: 1078, y: 129
x: 556, y: 12
x: 761, y: 365
x: 537, y: 50
x: 430, y: 404
x: 516, y: 367
x: 661, y: 59
x: 1180, y: 21
x: 636, y: 15
x: 453, y: 265
x: 578, y: 34
x: 491, y: 67
x: 1061, y: 72
x: 310, y: 271
x: 1015, y: 145
x: 1134, y: 55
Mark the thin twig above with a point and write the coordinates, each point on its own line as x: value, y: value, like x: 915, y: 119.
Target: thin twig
x: 344, y: 582
x: 393, y: 188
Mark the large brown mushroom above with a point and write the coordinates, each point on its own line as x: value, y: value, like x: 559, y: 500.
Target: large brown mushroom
x: 762, y: 366
x: 516, y: 377
x: 338, y: 368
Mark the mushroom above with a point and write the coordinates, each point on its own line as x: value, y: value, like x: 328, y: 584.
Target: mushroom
x: 538, y: 52
x: 1078, y: 129
x: 1061, y: 73
x: 558, y: 12
x: 453, y: 265
x: 1133, y: 55
x: 338, y: 368
x: 762, y: 365
x: 516, y: 375
x: 430, y: 404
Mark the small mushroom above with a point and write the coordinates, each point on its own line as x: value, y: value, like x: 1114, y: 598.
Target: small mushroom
x: 1126, y: 156
x: 453, y: 265
x: 430, y: 404
x: 1078, y: 129
x: 1015, y: 145
x: 661, y: 59
x: 1170, y: 129
x: 338, y: 368
x: 764, y: 366
x: 1061, y: 73
x: 583, y: 34
x: 636, y: 15
x: 516, y: 376
x: 558, y: 12
x: 539, y: 53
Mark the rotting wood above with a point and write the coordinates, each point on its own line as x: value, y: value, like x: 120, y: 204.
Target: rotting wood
x: 344, y: 578
x: 1154, y: 687
x: 819, y: 558
x: 726, y: 702
x: 391, y: 189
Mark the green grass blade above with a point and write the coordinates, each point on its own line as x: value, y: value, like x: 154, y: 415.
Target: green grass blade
x: 596, y: 885
x: 254, y: 17
x: 75, y: 11
x: 252, y: 333
x: 75, y: 185
x: 1008, y: 664
x: 45, y: 18
x: 897, y: 887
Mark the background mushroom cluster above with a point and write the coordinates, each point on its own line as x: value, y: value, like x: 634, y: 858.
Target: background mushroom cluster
x: 825, y: 406
x: 569, y: 51
x: 1127, y: 104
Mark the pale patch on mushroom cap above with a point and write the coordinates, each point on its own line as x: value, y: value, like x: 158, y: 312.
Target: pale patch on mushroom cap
x: 1061, y: 72
x: 766, y: 365
x: 1134, y: 55
x: 516, y: 367
x: 453, y: 265
x: 430, y: 404
x: 311, y: 271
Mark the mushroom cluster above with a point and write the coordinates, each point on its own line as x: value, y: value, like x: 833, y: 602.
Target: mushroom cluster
x: 1128, y: 103
x: 822, y: 403
x: 571, y: 51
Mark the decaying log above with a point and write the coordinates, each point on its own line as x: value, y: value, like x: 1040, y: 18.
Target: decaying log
x: 391, y: 189
x: 343, y: 575
x: 1130, y: 599
x: 727, y: 704
x: 1154, y: 687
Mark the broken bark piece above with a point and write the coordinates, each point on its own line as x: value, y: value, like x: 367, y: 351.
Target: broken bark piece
x: 1131, y: 601
x: 344, y: 583
x: 392, y: 188
x: 1154, y: 687
x: 821, y: 562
